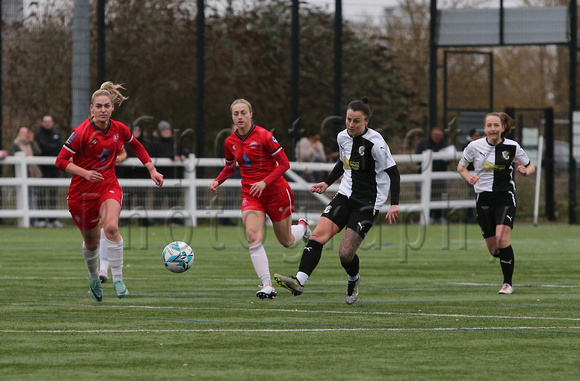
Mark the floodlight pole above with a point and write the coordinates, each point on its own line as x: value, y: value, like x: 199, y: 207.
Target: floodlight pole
x: 573, y: 50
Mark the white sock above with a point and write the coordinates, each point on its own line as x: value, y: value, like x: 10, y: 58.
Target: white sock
x: 115, y: 254
x: 103, y: 252
x: 260, y: 262
x: 352, y: 278
x: 91, y: 260
x: 302, y: 277
x: 298, y: 232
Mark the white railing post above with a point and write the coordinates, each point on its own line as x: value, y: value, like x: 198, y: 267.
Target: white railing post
x: 426, y: 184
x: 21, y: 173
x: 190, y: 201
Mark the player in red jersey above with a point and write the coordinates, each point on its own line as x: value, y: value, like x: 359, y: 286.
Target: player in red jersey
x: 262, y: 163
x: 94, y: 196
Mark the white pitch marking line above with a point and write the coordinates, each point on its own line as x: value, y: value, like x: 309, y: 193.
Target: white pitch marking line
x: 285, y: 330
x: 364, y: 313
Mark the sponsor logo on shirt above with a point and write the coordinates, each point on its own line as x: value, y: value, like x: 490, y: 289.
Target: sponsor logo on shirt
x: 253, y: 144
x: 71, y: 138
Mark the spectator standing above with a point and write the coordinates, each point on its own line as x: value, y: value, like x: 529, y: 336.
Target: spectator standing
x: 435, y: 142
x: 24, y: 142
x: 169, y: 147
x: 310, y: 149
x: 137, y: 198
x: 50, y: 142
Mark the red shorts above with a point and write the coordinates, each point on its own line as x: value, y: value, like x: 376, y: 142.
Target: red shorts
x: 277, y: 206
x: 86, y: 211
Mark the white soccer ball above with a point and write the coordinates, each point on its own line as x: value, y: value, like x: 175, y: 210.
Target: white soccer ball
x: 177, y: 257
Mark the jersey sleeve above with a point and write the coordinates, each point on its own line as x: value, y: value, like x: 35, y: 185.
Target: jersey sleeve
x: 522, y: 156
x: 467, y: 156
x: 383, y: 157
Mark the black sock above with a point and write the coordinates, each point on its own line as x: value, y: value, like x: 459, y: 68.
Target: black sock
x: 352, y: 267
x: 310, y: 257
x: 506, y: 259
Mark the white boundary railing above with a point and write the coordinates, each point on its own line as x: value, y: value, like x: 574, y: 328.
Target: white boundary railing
x: 191, y: 183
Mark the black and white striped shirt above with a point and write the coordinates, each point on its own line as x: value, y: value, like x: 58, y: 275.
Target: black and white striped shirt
x: 365, y: 160
x: 494, y: 164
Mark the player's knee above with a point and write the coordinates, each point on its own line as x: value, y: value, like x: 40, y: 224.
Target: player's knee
x: 111, y: 230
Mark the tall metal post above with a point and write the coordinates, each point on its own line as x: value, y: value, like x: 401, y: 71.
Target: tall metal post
x: 433, y: 65
x: 81, y: 62
x: 101, y: 5
x: 573, y: 51
x: 200, y: 120
x: 337, y: 64
x: 295, y: 72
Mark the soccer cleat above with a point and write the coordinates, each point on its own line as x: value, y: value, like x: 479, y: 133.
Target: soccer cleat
x: 96, y: 289
x: 506, y: 289
x: 289, y: 283
x: 308, y: 232
x: 267, y: 292
x: 352, y: 291
x: 103, y: 276
x: 121, y: 290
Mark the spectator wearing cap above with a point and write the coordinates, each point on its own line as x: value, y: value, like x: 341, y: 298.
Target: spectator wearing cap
x: 169, y: 146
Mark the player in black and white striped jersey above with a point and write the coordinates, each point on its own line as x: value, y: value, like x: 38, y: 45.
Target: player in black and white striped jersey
x: 369, y: 173
x: 494, y: 159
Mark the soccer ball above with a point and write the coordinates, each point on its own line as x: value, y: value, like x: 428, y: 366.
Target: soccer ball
x: 177, y: 257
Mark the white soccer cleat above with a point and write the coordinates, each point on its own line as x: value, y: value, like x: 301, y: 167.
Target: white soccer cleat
x: 308, y: 232
x: 506, y: 289
x: 103, y: 276
x: 267, y: 292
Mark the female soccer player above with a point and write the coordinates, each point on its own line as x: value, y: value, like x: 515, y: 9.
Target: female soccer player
x: 262, y: 163
x: 368, y: 171
x: 494, y: 158
x: 94, y: 196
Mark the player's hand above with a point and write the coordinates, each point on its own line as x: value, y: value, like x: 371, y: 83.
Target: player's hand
x: 156, y: 177
x: 214, y: 187
x: 94, y: 176
x: 319, y: 188
x: 473, y: 179
x: 521, y: 169
x: 393, y: 214
x: 256, y: 189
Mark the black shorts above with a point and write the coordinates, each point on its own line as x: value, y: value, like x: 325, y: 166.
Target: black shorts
x: 495, y: 208
x: 345, y: 212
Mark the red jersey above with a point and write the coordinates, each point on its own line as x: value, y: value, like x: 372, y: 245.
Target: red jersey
x: 260, y: 157
x: 94, y: 149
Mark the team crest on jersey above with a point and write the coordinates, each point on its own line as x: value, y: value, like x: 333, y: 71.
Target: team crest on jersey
x: 71, y: 138
x: 505, y: 155
x: 116, y: 137
x: 244, y: 201
x: 274, y: 139
x: 361, y: 150
x: 253, y: 144
x: 94, y: 141
x: 234, y: 147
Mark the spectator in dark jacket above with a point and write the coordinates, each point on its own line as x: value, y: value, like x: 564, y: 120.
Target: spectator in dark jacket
x: 50, y: 142
x: 169, y: 146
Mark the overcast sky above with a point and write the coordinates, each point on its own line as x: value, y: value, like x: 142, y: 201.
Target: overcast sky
x: 357, y: 10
